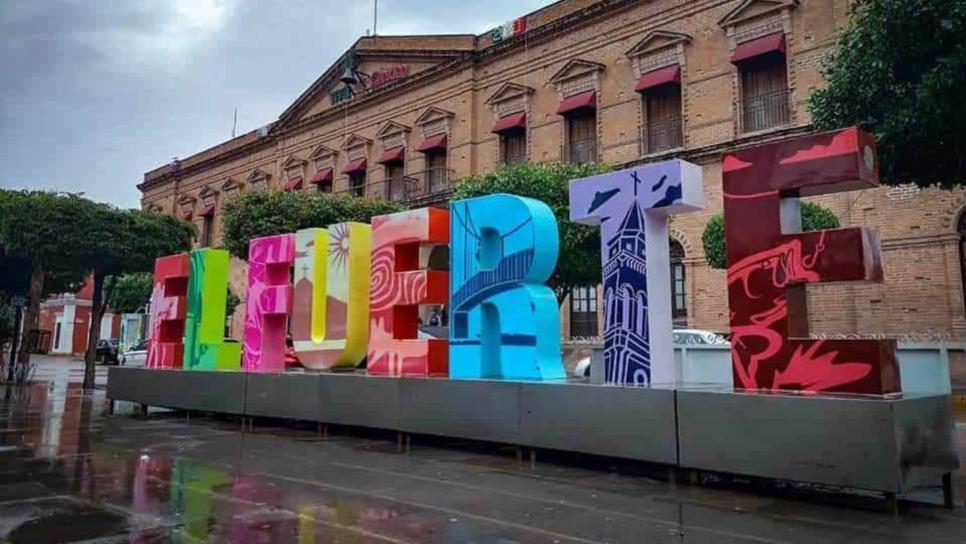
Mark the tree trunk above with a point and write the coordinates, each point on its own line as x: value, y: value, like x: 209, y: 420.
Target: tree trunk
x: 32, y: 314
x: 98, y: 306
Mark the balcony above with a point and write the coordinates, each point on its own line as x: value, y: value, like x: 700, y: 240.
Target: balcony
x: 396, y: 189
x: 663, y: 135
x: 431, y: 182
x: 418, y: 186
x: 515, y: 160
x: 764, y: 111
x: 579, y: 151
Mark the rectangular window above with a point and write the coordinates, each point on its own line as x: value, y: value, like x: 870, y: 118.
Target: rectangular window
x: 764, y: 93
x: 663, y: 129
x: 583, y: 312
x: 394, y: 188
x: 357, y: 184
x: 513, y: 147
x: 581, y: 146
x: 206, y: 227
x: 437, y: 176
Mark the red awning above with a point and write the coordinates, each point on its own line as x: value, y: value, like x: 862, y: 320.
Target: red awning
x: 187, y: 215
x: 662, y: 76
x: 512, y: 121
x: 580, y: 101
x: 433, y: 143
x: 207, y: 211
x: 293, y: 183
x: 396, y: 154
x: 322, y: 176
x: 358, y: 165
x: 772, y: 43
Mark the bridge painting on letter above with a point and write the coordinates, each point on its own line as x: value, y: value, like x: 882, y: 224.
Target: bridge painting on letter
x: 397, y: 286
x: 504, y: 321
x: 770, y: 261
x: 632, y: 207
x: 268, y: 303
x: 330, y: 318
x: 168, y: 311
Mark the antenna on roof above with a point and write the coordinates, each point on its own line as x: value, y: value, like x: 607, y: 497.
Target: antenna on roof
x: 234, y: 122
x: 375, y: 15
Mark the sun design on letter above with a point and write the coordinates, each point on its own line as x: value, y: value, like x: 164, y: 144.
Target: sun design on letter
x: 339, y: 245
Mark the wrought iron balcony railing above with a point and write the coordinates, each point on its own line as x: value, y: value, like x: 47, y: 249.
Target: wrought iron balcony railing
x: 430, y: 182
x: 664, y: 134
x: 515, y: 160
x: 579, y: 151
x: 417, y: 185
x: 396, y: 189
x: 764, y: 111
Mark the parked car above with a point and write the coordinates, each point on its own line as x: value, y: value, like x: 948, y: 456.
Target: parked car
x: 682, y: 337
x: 136, y: 355
x: 106, y: 351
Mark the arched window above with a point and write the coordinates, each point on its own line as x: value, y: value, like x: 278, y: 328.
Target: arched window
x: 679, y: 295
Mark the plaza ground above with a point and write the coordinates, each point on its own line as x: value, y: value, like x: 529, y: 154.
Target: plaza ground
x: 70, y: 472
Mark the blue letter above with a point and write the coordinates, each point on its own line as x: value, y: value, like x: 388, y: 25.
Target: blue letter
x: 504, y: 321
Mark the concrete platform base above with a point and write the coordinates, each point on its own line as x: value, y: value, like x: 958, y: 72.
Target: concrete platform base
x: 887, y: 445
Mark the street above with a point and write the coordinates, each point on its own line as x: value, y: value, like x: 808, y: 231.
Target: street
x: 70, y: 472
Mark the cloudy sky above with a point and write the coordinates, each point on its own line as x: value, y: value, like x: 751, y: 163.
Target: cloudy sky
x: 95, y: 93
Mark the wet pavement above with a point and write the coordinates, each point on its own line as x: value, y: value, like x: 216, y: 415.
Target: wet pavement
x: 69, y: 473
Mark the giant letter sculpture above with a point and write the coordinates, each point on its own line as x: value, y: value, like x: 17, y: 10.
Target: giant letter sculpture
x: 204, y: 337
x: 330, y: 320
x: 769, y: 261
x: 632, y: 207
x: 269, y: 302
x: 396, y: 289
x: 505, y: 322
x: 168, y: 310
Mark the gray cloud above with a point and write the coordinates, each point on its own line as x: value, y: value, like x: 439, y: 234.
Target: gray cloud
x: 93, y: 94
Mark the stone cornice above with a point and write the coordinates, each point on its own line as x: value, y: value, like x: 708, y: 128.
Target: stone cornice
x: 460, y: 59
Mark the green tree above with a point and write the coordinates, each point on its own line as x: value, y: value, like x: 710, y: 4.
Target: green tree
x: 579, y: 262
x: 265, y: 213
x: 129, y: 292
x: 899, y: 73
x: 814, y: 217
x: 122, y: 242
x: 43, y: 239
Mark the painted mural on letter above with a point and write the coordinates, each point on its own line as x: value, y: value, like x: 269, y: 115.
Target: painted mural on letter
x: 169, y: 307
x: 397, y: 286
x: 268, y: 302
x: 204, y: 338
x: 768, y: 268
x: 505, y: 323
x: 632, y: 206
x: 330, y: 318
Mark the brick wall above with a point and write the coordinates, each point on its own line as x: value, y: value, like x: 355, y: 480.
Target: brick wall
x: 923, y: 288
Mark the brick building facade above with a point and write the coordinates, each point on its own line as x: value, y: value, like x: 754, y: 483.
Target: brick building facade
x: 619, y: 81
x: 67, y: 317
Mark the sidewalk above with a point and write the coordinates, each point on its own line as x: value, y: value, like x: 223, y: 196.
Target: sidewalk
x: 65, y: 369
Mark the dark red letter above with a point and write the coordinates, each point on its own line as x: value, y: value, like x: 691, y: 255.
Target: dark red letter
x: 768, y: 266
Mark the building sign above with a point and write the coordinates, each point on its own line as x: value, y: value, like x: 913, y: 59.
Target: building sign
x: 384, y: 77
x: 509, y: 29
x: 340, y: 95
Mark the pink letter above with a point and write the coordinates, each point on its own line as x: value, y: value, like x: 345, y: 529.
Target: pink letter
x: 269, y: 302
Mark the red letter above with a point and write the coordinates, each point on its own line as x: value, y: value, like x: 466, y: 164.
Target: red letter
x: 396, y: 289
x: 768, y: 266
x: 169, y: 305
